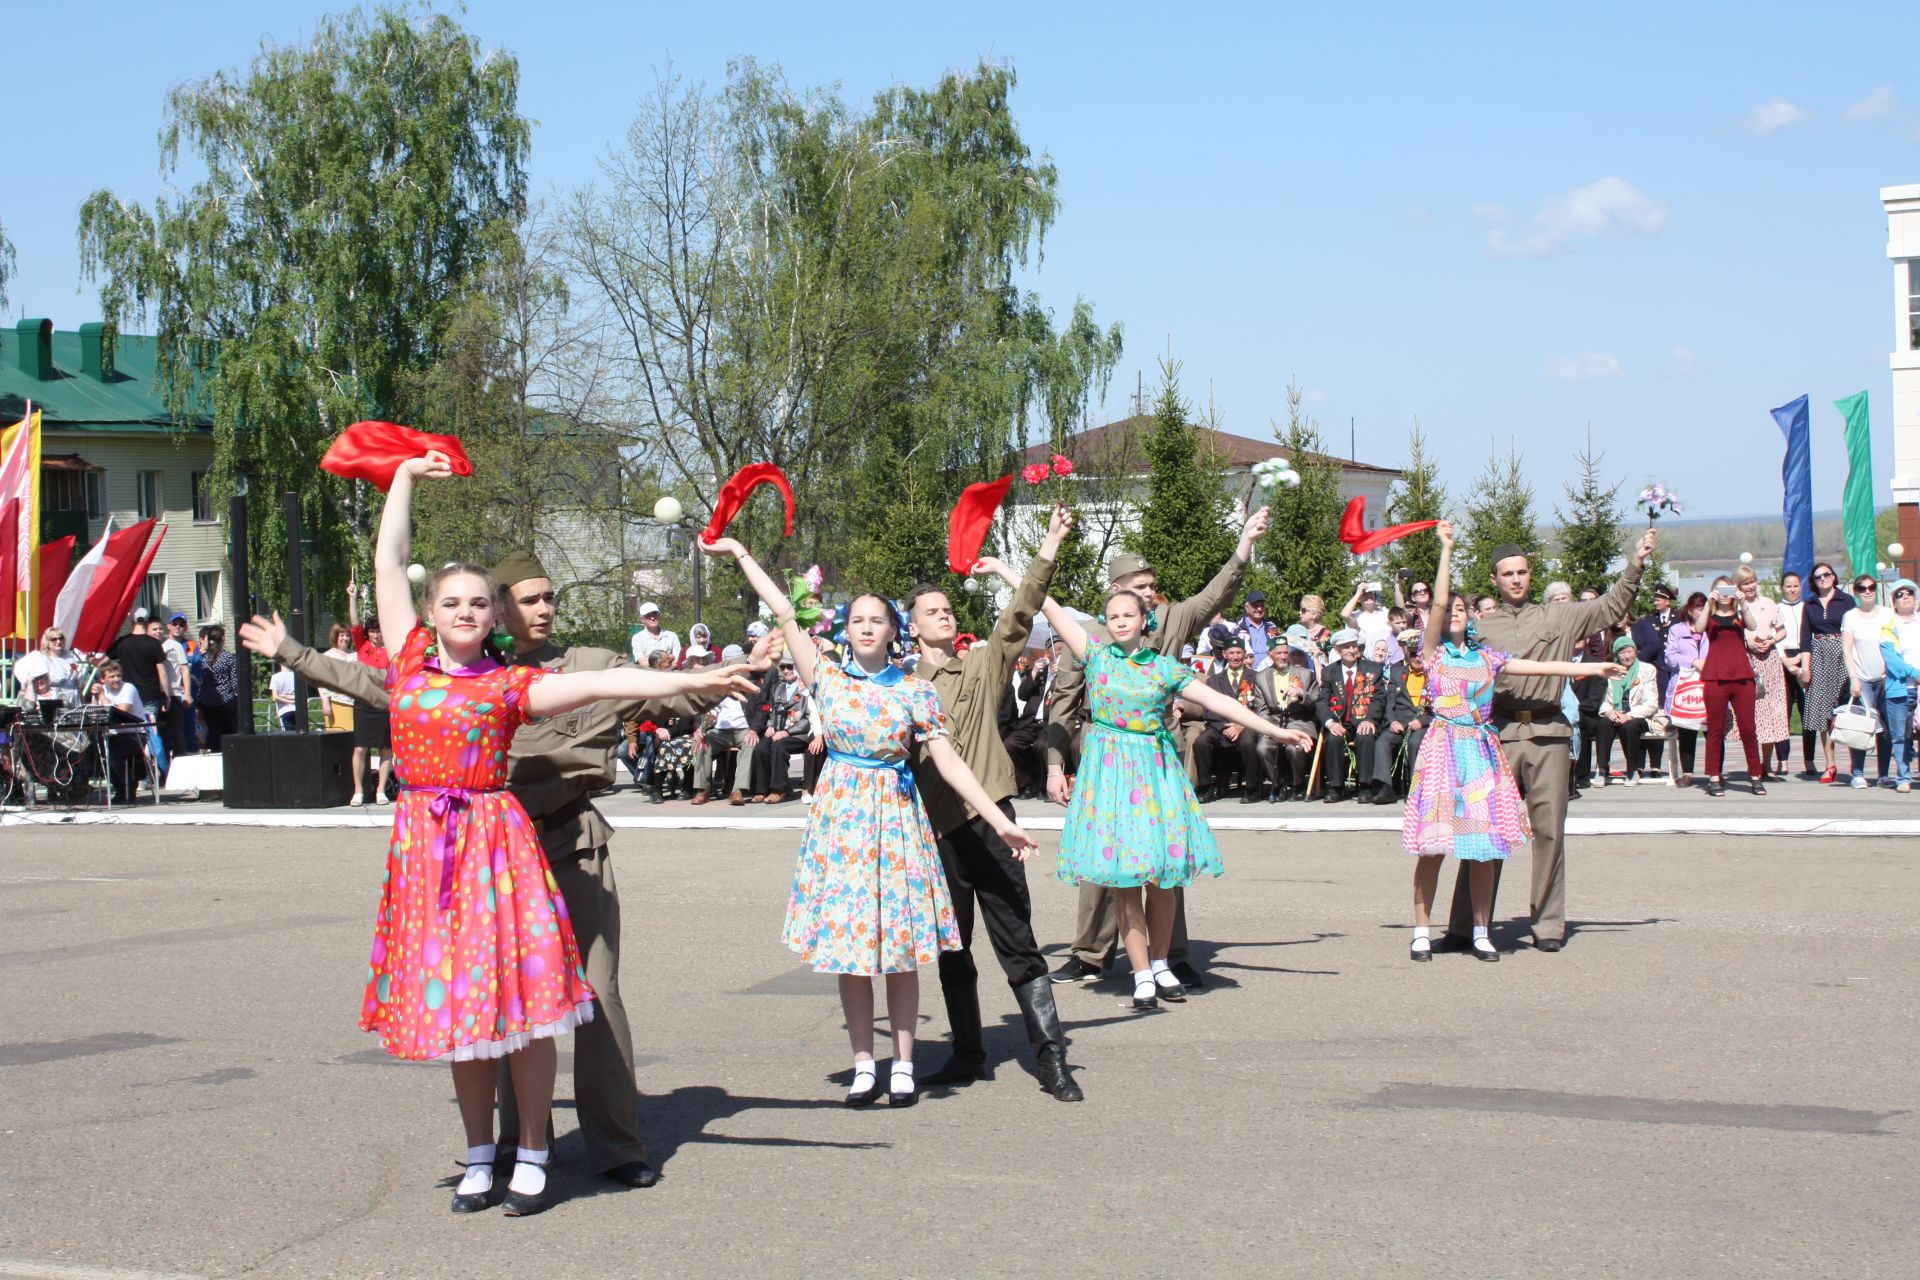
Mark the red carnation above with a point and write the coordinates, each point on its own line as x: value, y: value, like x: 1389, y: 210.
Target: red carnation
x: 1061, y: 466
x: 1036, y: 473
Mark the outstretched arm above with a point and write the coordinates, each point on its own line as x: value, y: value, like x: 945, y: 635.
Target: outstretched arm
x: 1068, y: 628
x: 392, y: 593
x: 954, y: 770
x: 1571, y: 670
x: 805, y: 656
x: 1220, y: 706
x: 564, y: 691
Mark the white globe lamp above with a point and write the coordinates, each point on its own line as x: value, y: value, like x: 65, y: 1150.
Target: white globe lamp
x: 668, y: 510
x: 1895, y: 550
x: 1746, y: 557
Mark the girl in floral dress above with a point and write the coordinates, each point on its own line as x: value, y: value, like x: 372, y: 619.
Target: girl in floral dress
x: 869, y: 895
x: 1134, y: 821
x: 1462, y: 798
x: 473, y: 957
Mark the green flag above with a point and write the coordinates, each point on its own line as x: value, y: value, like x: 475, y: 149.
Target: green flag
x: 1856, y: 502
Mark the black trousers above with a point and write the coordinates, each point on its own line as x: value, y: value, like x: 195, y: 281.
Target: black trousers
x: 1214, y: 757
x: 1590, y: 722
x: 219, y: 721
x: 1797, y: 701
x: 771, y: 759
x: 1334, y: 756
x: 1027, y: 744
x: 1628, y: 733
x: 983, y: 874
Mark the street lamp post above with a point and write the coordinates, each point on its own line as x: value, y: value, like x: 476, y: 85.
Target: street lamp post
x: 668, y: 512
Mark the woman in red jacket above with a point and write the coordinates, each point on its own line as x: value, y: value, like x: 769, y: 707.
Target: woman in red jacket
x: 1728, y: 675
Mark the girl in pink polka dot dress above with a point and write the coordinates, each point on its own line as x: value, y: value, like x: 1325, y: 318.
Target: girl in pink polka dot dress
x: 473, y: 957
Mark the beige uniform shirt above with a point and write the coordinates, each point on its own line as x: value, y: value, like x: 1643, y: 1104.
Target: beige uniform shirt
x: 969, y: 687
x: 1180, y: 622
x: 555, y: 763
x: 1528, y: 707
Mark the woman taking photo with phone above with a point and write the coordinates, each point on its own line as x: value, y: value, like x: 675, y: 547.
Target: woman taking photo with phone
x: 1728, y: 673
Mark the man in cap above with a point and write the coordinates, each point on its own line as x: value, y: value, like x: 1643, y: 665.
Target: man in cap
x: 179, y: 721
x: 1170, y: 628
x: 1534, y: 732
x: 1351, y: 708
x: 651, y: 638
x: 1260, y: 632
x: 553, y: 767
x: 982, y: 872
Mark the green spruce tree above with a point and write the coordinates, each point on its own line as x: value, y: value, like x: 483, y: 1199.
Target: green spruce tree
x: 1301, y: 551
x: 1499, y: 510
x: 1417, y: 495
x: 1592, y: 534
x: 1183, y: 529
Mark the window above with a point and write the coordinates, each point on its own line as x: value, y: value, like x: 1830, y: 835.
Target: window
x: 96, y: 495
x: 206, y: 595
x: 62, y: 491
x: 202, y: 499
x: 153, y: 592
x: 152, y: 495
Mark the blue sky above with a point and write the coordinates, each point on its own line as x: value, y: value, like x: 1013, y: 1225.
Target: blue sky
x: 1506, y: 221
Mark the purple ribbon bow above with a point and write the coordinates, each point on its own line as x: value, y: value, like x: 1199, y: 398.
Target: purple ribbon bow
x: 448, y: 803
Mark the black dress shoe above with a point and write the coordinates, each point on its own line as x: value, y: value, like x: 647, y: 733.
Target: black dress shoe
x: 634, y: 1173
x: 1204, y: 795
x: 1486, y: 953
x: 1447, y: 942
x: 1249, y: 796
x: 1334, y: 796
x: 1172, y: 990
x: 1188, y: 975
x: 517, y: 1205
x: 960, y: 1068
x: 865, y: 1097
x: 481, y: 1200
x: 1076, y: 970
x: 1548, y: 945
x: 1420, y: 953
x: 898, y: 1097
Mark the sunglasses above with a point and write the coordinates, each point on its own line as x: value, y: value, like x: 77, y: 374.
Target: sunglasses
x: 1823, y: 577
x: 1864, y: 586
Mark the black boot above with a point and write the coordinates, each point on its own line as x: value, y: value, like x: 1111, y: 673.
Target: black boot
x: 960, y: 988
x: 1050, y: 1043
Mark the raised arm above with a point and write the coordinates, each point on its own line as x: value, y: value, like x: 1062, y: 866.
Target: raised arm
x: 392, y: 547
x: 805, y: 656
x: 1183, y: 619
x: 1352, y: 606
x: 1441, y: 608
x: 1588, y: 616
x: 1068, y: 628
x: 1011, y: 629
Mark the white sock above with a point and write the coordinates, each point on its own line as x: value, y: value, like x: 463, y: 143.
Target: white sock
x: 902, y: 1071
x: 1480, y: 939
x: 1422, y: 932
x: 479, y: 1175
x: 862, y: 1067
x: 529, y: 1172
x: 1163, y: 974
x: 1143, y: 983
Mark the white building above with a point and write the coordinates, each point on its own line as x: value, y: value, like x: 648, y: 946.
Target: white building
x: 1903, y: 247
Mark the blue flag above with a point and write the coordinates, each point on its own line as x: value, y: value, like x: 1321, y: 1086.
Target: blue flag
x: 1796, y: 480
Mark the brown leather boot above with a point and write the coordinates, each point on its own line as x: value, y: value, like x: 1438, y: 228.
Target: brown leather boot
x: 699, y: 797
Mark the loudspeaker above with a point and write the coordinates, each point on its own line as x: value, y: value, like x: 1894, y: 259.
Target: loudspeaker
x: 287, y: 770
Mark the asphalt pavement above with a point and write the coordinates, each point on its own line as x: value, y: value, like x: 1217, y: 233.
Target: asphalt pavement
x: 1715, y: 1077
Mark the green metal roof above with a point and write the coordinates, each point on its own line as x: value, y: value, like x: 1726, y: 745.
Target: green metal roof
x: 75, y: 401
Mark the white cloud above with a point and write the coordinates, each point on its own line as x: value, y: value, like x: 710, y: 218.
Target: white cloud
x: 1417, y: 218
x: 1584, y: 366
x: 1610, y: 207
x: 1877, y: 105
x: 1684, y: 363
x: 1771, y: 117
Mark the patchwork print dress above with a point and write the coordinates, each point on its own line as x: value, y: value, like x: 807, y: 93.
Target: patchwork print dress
x: 473, y: 956
x: 1462, y: 799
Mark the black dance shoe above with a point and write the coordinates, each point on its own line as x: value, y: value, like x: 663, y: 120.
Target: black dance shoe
x: 897, y: 1096
x: 1548, y: 945
x: 1417, y: 952
x: 1486, y: 953
x: 868, y: 1096
x: 480, y: 1200
x: 517, y: 1205
x: 1168, y: 987
x: 960, y: 1068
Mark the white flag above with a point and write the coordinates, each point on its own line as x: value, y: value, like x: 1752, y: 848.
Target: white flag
x: 73, y: 595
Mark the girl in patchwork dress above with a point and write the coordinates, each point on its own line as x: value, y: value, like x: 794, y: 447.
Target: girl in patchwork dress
x: 869, y: 895
x: 1133, y: 822
x: 1462, y: 799
x: 473, y: 957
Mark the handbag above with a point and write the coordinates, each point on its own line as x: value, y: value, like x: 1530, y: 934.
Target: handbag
x: 1855, y: 725
x: 1689, y: 699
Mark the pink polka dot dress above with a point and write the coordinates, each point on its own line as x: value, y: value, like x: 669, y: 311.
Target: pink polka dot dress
x: 473, y: 956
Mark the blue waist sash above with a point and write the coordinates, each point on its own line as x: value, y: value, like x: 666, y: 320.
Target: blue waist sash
x: 902, y: 768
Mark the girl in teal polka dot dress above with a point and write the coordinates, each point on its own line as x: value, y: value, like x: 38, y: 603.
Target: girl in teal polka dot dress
x: 1134, y: 823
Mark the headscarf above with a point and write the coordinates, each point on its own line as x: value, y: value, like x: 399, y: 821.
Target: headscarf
x: 1618, y: 686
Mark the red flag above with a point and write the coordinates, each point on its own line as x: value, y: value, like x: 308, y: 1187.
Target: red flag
x: 55, y: 559
x: 101, y: 616
x: 373, y: 451
x: 972, y: 516
x: 1353, y: 529
x: 733, y: 496
x: 9, y: 563
x: 138, y: 578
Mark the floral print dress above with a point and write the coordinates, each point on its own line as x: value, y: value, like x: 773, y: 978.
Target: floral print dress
x: 1134, y: 819
x: 473, y: 956
x: 869, y: 895
x: 1462, y: 798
